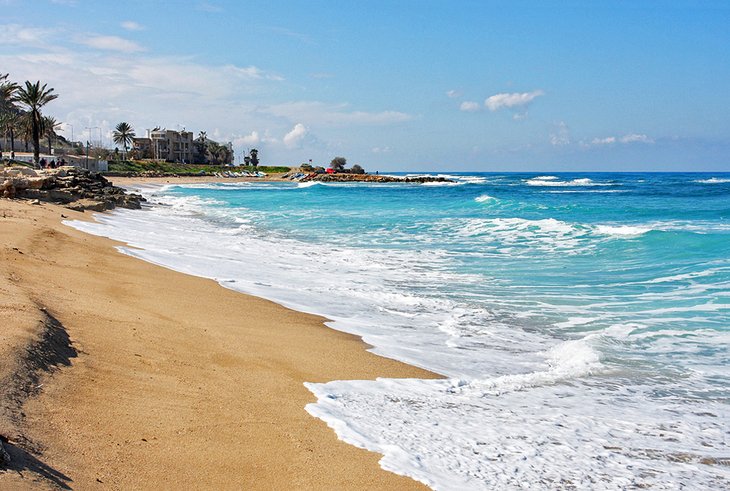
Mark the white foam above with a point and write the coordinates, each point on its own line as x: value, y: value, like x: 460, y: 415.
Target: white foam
x: 713, y: 180
x: 557, y: 183
x: 485, y: 198
x: 308, y: 184
x: 622, y: 230
x: 542, y: 438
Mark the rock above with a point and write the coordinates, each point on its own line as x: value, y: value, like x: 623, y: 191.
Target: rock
x: 76, y: 188
x: 4, y: 456
x: 40, y: 182
x: 371, y: 178
x: 91, y: 205
x: 18, y: 171
x: 35, y: 202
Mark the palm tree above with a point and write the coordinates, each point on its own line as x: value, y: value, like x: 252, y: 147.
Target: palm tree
x: 124, y: 135
x: 25, y: 129
x: 49, y: 129
x: 13, y: 125
x: 34, y: 97
x: 8, y: 110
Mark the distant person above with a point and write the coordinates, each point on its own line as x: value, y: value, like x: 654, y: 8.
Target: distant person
x: 42, y: 163
x: 52, y: 165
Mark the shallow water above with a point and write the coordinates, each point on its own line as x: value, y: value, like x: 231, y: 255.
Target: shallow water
x: 582, y: 320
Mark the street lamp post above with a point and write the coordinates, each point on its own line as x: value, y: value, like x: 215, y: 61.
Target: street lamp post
x: 89, y: 128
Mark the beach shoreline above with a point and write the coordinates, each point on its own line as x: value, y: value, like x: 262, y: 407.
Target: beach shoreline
x: 169, y: 379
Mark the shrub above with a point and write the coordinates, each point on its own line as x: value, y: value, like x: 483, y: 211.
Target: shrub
x: 338, y: 164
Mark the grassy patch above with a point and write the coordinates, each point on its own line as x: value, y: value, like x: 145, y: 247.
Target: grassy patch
x: 141, y: 166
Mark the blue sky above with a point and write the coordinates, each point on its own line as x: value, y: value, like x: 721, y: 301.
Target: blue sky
x: 395, y: 85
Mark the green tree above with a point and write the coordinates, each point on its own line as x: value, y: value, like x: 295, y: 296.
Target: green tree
x: 25, y: 129
x: 49, y: 129
x: 357, y: 169
x: 338, y: 164
x: 34, y: 97
x: 124, y: 135
x: 8, y: 111
x: 13, y: 125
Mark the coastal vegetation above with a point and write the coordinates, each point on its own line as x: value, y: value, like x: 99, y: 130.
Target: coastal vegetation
x: 33, y: 96
x: 338, y: 165
x: 49, y: 125
x: 8, y: 110
x: 123, y: 135
x: 20, y: 114
x: 134, y: 167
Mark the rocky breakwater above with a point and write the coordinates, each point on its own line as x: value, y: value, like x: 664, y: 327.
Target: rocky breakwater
x: 77, y: 189
x: 371, y: 178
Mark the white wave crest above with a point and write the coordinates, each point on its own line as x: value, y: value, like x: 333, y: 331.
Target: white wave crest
x: 556, y: 183
x: 622, y: 230
x: 713, y: 180
x: 309, y: 184
x: 568, y: 360
x: 484, y: 198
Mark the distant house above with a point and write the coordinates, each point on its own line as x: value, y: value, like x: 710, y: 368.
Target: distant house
x: 170, y: 145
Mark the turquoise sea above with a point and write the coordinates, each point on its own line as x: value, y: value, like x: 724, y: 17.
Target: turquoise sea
x: 581, y: 321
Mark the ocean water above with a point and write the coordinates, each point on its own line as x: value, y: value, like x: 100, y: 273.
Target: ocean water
x: 581, y: 321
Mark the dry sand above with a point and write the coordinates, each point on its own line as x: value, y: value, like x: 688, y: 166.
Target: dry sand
x: 171, y: 381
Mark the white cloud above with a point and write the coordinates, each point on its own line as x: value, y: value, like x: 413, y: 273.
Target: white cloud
x: 209, y: 7
x: 252, y: 72
x: 513, y: 100
x: 380, y: 150
x: 636, y: 138
x: 111, y: 43
x: 609, y: 140
x: 35, y: 37
x: 295, y: 136
x: 333, y: 114
x: 453, y: 94
x: 626, y: 139
x: 561, y: 137
x: 252, y: 138
x: 100, y: 88
x: 130, y: 25
x: 470, y: 106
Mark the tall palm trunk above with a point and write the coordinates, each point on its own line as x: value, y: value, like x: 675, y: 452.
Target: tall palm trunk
x: 12, y: 143
x: 36, y: 130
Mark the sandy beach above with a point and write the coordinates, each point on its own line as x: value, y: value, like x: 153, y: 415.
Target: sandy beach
x: 150, y: 379
x: 132, y: 181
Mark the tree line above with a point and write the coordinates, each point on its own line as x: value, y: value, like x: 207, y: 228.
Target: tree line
x: 21, y: 115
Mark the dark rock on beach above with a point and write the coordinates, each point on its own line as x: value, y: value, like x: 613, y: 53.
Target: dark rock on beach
x: 77, y: 189
x: 342, y: 177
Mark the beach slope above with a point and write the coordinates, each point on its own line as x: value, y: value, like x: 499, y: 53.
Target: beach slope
x: 122, y: 374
